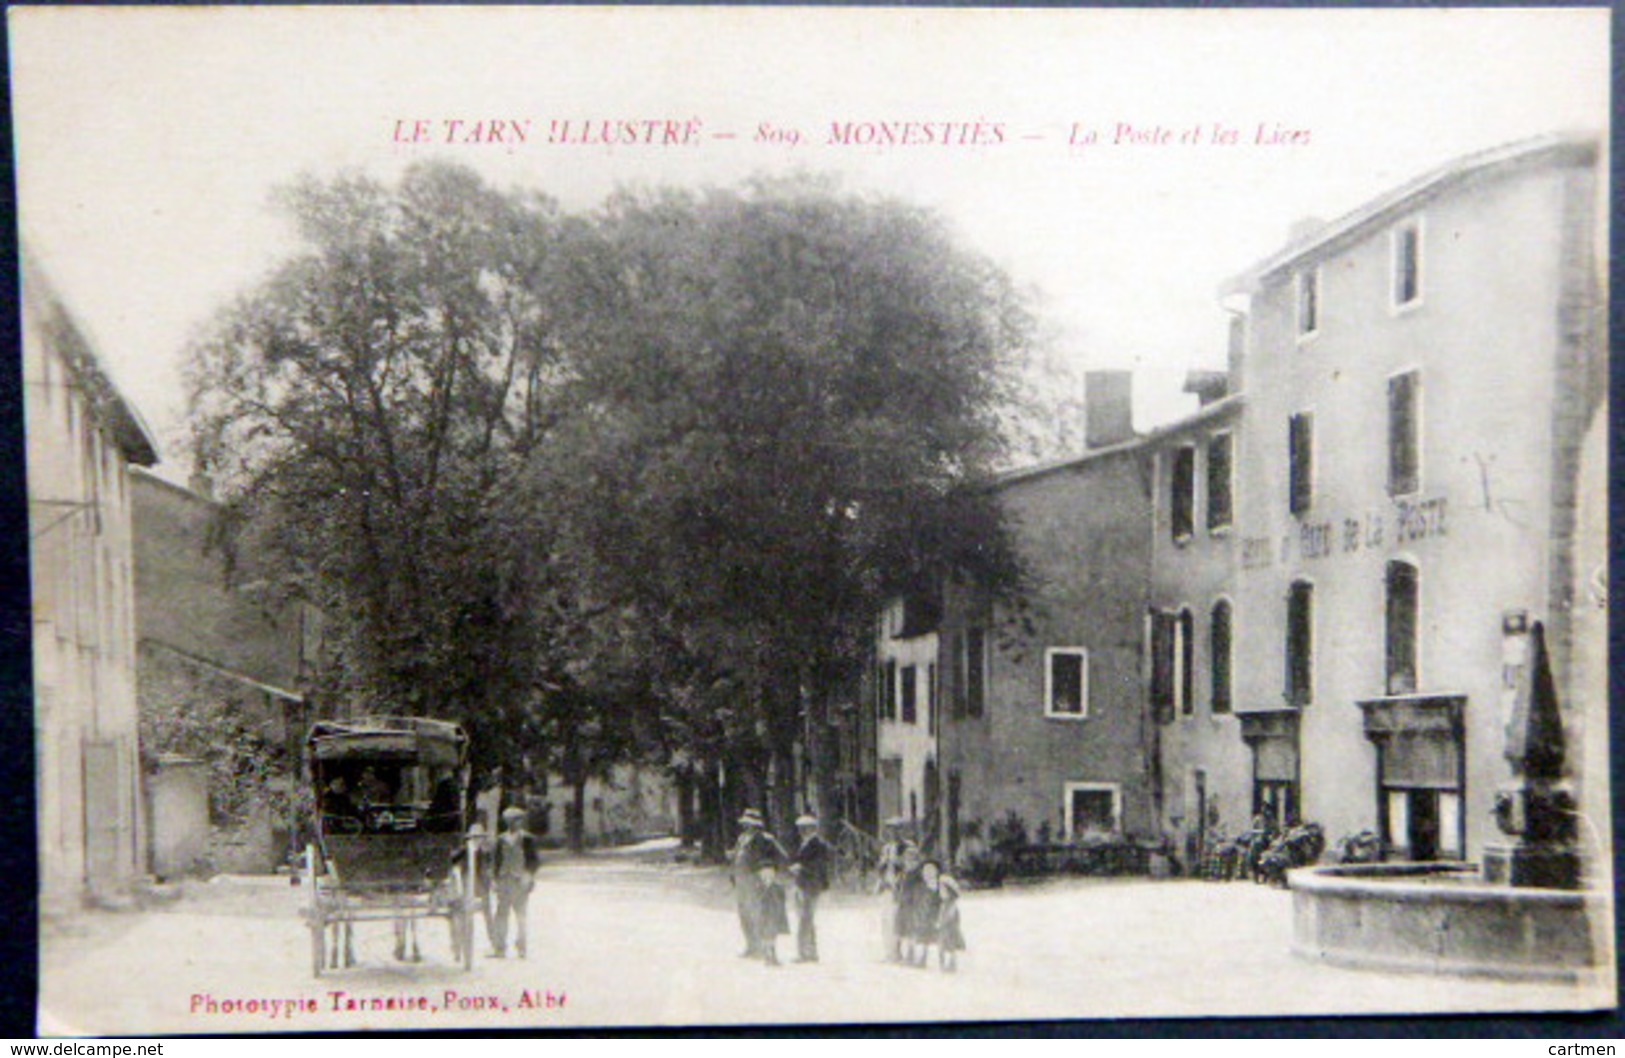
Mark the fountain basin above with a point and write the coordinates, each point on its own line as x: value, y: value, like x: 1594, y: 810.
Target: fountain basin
x: 1441, y: 918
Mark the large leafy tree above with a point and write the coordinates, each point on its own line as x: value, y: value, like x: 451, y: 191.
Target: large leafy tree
x: 780, y: 400
x: 365, y: 412
x: 629, y: 482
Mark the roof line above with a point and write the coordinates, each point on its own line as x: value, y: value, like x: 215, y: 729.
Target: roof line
x: 1008, y: 477
x: 221, y: 670
x: 1213, y: 410
x: 1571, y: 148
x: 147, y: 474
x: 106, y: 402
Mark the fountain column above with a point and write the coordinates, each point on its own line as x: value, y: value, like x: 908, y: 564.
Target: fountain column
x: 1537, y: 809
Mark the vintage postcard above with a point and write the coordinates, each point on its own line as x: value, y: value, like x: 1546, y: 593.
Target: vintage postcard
x: 680, y: 516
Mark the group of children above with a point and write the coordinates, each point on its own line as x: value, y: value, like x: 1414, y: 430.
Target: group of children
x: 923, y: 910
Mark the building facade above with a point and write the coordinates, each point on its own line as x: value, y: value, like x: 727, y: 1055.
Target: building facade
x: 1313, y: 598
x: 1205, y: 772
x: 906, y: 712
x: 1419, y: 377
x: 221, y: 663
x: 82, y: 438
x: 1044, y: 721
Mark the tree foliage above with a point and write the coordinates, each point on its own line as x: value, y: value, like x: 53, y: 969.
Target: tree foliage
x: 366, y: 411
x: 627, y: 482
x: 778, y: 402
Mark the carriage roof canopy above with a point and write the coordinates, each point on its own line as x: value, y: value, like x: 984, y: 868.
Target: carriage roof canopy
x: 391, y: 738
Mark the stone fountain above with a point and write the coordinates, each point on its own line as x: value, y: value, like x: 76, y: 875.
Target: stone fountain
x: 1523, y: 916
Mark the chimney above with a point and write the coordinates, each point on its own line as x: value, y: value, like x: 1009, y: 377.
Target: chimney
x: 1108, y: 401
x: 1208, y: 386
x: 1236, y: 355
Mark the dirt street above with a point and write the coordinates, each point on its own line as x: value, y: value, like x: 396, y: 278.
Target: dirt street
x: 617, y: 941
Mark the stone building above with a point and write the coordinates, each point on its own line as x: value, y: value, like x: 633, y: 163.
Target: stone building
x: 1312, y: 598
x: 1190, y: 624
x: 82, y: 439
x: 221, y: 665
x: 1044, y: 718
x: 906, y: 711
x: 1413, y: 384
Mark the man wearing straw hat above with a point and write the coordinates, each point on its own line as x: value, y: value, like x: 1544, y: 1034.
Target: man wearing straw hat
x: 756, y: 855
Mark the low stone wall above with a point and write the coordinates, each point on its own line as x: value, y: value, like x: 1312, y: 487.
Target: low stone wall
x: 1440, y: 918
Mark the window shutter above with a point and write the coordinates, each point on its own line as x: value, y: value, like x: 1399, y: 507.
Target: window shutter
x: 1299, y: 644
x: 1300, y: 456
x: 1402, y: 435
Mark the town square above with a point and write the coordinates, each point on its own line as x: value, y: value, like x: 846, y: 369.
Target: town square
x: 514, y: 549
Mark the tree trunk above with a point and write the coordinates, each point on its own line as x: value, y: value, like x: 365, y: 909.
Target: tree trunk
x: 782, y: 817
x: 683, y: 779
x: 578, y: 815
x: 821, y: 743
x: 711, y: 834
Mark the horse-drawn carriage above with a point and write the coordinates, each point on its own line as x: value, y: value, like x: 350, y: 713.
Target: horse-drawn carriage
x: 391, y: 840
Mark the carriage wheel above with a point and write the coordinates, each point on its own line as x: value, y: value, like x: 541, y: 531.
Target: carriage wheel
x: 315, y: 919
x: 463, y: 916
x: 318, y: 948
x: 464, y: 924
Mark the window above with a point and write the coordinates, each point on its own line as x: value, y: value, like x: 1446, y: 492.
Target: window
x: 1171, y: 664
x: 888, y: 701
x: 1186, y: 634
x: 1422, y: 824
x: 1407, y: 264
x: 1182, y: 490
x: 931, y: 699
x: 1163, y: 634
x: 1301, y: 461
x: 1219, y: 656
x: 1276, y: 800
x: 1092, y: 807
x: 1300, y: 643
x: 975, y: 670
x: 910, y: 694
x: 1403, y: 610
x: 1404, y: 434
x: 1066, y: 682
x: 1308, y: 302
x: 1219, y: 508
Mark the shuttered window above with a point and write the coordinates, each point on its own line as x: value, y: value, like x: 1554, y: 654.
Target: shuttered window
x: 1219, y: 656
x: 1219, y: 508
x: 975, y: 671
x: 1182, y: 491
x: 1186, y: 632
x: 1300, y: 643
x: 1300, y: 459
x: 1308, y: 302
x: 1403, y: 591
x: 1404, y: 434
x: 1162, y: 666
x: 931, y: 698
x: 1407, y: 264
x: 888, y: 704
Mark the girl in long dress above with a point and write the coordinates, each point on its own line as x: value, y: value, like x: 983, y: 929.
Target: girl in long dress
x: 950, y: 937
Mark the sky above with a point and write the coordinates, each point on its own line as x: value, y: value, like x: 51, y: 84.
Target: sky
x: 1085, y: 156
